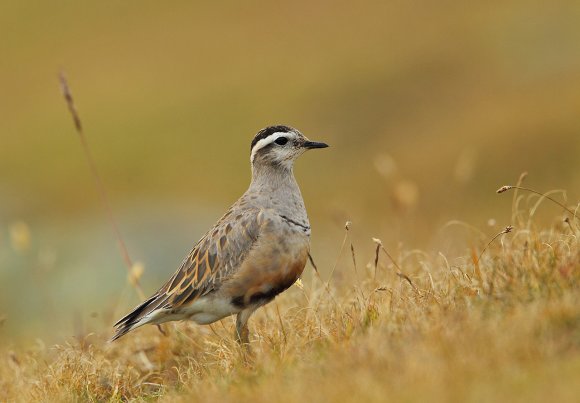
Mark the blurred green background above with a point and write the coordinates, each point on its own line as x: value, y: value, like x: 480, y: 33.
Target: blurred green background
x: 429, y: 107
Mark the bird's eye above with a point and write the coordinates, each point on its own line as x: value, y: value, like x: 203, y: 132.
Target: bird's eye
x: 281, y: 141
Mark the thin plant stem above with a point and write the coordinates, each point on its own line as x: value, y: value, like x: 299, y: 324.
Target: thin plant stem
x: 66, y: 92
x: 509, y: 187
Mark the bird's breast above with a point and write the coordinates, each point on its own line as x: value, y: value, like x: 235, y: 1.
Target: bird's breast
x: 273, y: 266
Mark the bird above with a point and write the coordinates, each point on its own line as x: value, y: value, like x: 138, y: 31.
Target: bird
x: 254, y: 252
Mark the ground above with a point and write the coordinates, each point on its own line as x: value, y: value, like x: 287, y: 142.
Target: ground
x: 501, y: 323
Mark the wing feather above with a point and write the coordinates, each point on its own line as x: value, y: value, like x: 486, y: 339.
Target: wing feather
x: 217, y: 255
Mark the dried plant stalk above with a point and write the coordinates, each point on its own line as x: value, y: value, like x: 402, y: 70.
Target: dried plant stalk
x: 66, y: 92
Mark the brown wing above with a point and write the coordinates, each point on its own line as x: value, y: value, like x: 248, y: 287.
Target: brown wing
x: 217, y: 255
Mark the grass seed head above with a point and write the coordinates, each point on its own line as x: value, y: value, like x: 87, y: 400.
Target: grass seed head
x: 504, y: 189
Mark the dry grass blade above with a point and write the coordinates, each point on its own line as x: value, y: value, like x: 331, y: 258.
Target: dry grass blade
x: 313, y: 264
x: 326, y: 285
x: 531, y: 299
x: 399, y: 271
x: 567, y: 221
x: 521, y: 179
x: 346, y: 228
x: 506, y: 230
x: 98, y: 181
x: 353, y: 255
x: 377, y: 250
x: 505, y: 188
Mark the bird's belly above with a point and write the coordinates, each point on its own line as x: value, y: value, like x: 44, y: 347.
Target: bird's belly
x: 267, y: 274
x: 209, y: 309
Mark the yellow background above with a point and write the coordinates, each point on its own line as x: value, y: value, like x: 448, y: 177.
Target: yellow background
x: 428, y: 107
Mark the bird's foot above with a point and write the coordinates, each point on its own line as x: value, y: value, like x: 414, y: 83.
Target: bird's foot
x: 242, y: 337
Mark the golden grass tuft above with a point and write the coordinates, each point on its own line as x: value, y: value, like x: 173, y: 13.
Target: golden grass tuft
x: 501, y: 324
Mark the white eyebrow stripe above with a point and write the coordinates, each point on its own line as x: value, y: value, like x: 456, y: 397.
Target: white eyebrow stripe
x: 268, y: 140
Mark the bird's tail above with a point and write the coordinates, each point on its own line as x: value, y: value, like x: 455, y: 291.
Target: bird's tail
x: 136, y: 317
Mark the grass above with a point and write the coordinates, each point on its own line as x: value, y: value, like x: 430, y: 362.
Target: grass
x: 501, y: 323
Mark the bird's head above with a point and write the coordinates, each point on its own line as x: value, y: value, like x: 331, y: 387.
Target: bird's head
x: 279, y: 146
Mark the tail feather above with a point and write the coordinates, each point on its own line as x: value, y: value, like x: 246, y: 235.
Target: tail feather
x: 134, y: 318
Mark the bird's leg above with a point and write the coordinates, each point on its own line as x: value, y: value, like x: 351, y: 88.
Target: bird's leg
x: 242, y: 336
x: 242, y: 333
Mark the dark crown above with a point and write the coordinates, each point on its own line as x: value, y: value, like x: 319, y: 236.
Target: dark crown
x: 268, y: 131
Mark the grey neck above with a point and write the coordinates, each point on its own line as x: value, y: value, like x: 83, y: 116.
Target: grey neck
x: 277, y: 189
x: 273, y: 178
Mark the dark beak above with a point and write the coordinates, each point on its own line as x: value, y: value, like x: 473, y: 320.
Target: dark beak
x: 314, y: 144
